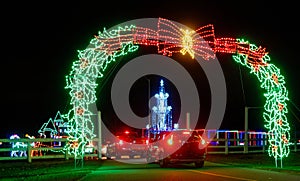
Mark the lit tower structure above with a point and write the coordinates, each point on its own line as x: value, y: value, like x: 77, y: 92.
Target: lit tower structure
x: 161, y: 113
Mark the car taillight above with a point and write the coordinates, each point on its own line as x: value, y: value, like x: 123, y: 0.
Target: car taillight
x: 202, y: 144
x: 170, y: 140
x: 203, y: 141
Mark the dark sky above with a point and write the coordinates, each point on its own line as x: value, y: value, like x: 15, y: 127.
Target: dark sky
x: 40, y: 42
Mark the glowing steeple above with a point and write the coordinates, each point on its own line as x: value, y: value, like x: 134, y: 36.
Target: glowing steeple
x: 161, y: 113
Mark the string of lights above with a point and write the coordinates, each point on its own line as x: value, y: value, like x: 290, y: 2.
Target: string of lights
x: 171, y: 39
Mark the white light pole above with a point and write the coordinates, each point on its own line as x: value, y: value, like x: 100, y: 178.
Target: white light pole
x: 246, y: 127
x: 99, y: 136
x: 149, y: 112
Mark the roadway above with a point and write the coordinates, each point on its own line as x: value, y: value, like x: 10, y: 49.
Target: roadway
x: 135, y: 169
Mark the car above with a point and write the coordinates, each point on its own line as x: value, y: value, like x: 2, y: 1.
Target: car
x: 178, y: 146
x: 127, y: 144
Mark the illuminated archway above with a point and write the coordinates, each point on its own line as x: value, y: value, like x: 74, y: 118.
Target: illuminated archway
x: 170, y: 39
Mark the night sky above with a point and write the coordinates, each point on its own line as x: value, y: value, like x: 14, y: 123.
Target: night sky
x: 40, y: 43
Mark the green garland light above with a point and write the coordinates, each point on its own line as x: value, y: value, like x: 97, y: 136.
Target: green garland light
x: 91, y: 64
x: 275, y: 108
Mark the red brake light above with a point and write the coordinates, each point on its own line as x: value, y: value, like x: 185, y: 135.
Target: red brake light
x: 203, y: 141
x: 170, y: 140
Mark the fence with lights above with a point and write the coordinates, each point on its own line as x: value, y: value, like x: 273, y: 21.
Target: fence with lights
x: 223, y: 142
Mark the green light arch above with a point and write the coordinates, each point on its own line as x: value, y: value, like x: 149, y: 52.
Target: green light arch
x: 107, y: 46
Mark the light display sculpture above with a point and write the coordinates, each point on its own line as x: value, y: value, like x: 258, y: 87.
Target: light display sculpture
x: 169, y: 39
x: 161, y: 113
x: 16, y: 146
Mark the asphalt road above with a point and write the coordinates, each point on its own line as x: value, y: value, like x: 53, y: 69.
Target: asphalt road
x: 135, y: 169
x: 114, y: 170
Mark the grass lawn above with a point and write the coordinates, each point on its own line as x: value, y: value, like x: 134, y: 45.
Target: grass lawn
x: 290, y: 164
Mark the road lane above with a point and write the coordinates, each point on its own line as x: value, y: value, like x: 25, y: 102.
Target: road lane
x: 113, y: 170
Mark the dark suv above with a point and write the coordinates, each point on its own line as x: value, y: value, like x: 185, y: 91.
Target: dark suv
x: 178, y: 146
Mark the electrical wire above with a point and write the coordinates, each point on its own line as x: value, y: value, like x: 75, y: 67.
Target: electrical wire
x: 241, y: 79
x: 294, y: 105
x: 294, y: 115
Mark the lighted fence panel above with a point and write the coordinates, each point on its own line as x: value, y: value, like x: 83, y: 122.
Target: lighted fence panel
x: 224, y: 142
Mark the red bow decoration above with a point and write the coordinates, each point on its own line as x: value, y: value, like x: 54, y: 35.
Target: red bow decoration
x: 174, y: 39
